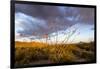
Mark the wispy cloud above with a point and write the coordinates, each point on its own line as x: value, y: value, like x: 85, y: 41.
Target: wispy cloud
x: 28, y: 25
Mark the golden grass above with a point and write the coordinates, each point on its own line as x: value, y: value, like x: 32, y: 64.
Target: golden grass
x: 29, y: 44
x: 39, y: 53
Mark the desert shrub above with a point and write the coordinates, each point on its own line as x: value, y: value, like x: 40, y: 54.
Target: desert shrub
x: 87, y: 46
x: 77, y: 53
x: 19, y: 54
x: 28, y: 55
x: 61, y: 54
x: 87, y: 55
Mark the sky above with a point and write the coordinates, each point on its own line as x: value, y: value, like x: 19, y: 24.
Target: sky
x: 53, y: 23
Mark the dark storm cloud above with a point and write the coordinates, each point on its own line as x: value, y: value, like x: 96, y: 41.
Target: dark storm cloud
x: 83, y: 15
x: 39, y: 11
x: 86, y: 15
x: 55, y: 17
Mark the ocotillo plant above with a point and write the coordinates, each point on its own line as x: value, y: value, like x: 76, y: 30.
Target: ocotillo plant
x: 70, y: 34
x: 75, y: 37
x: 46, y: 37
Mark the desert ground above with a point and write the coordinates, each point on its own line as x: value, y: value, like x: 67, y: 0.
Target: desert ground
x: 36, y: 53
